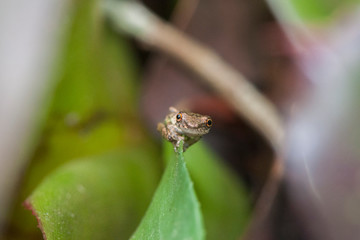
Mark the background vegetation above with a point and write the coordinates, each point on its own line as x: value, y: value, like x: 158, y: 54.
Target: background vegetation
x: 80, y: 98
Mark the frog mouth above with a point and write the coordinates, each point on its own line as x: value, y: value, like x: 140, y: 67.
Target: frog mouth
x: 194, y: 132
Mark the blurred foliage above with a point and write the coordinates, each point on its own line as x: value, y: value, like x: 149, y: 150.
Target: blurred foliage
x: 93, y: 105
x: 92, y: 109
x: 323, y: 133
x: 102, y: 197
x: 94, y: 168
x: 320, y: 10
x: 224, y: 200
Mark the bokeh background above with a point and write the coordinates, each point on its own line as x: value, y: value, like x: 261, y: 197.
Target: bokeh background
x: 73, y: 87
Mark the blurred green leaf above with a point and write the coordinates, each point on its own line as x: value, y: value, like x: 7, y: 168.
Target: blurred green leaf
x: 97, y: 69
x: 174, y: 212
x: 102, y: 197
x: 312, y: 11
x: 317, y: 10
x: 225, y: 203
x: 92, y: 106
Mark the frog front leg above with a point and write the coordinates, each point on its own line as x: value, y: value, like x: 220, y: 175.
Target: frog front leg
x: 175, y: 137
x: 170, y: 134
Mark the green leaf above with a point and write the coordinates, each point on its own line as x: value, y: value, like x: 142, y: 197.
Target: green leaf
x: 225, y: 203
x: 96, y: 198
x: 174, y: 212
x: 96, y: 69
x: 319, y: 10
x: 310, y: 12
x: 91, y: 107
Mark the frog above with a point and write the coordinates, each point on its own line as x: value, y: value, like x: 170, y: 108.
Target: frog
x: 182, y: 125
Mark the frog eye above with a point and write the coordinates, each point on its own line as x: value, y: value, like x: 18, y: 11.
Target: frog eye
x: 178, y: 117
x: 209, y: 122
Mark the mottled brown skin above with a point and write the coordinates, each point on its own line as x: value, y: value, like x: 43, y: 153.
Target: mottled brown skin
x: 183, y: 125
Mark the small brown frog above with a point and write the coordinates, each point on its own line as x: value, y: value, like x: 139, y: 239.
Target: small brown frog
x: 183, y: 125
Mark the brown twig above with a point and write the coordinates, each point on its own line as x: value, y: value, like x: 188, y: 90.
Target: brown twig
x: 132, y: 18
